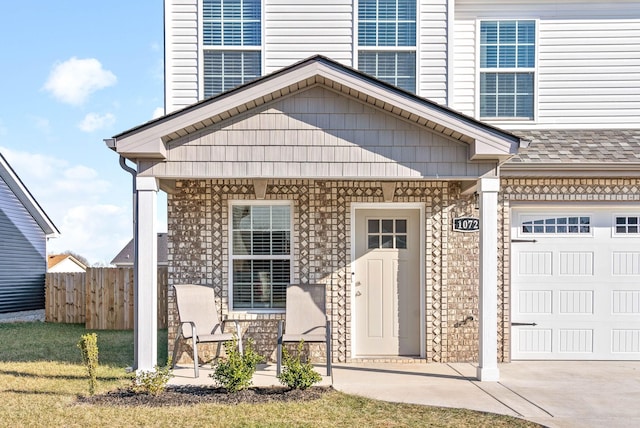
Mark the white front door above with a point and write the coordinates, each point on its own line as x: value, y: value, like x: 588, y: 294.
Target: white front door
x: 387, y: 282
x: 576, y: 282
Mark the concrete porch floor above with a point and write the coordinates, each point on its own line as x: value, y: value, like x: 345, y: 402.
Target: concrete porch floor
x: 552, y: 393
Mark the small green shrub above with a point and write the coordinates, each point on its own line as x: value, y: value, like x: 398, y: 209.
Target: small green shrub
x: 152, y: 383
x: 295, y: 373
x: 235, y: 371
x: 88, y: 345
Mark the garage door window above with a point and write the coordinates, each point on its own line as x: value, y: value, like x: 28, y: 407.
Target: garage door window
x: 570, y: 225
x: 627, y: 225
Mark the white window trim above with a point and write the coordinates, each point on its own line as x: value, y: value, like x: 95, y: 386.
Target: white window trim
x: 202, y: 48
x: 292, y: 275
x: 357, y: 48
x: 535, y: 70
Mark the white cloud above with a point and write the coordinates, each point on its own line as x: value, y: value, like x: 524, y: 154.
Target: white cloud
x: 97, y: 232
x: 74, y: 80
x: 158, y: 112
x: 33, y: 166
x: 94, y: 121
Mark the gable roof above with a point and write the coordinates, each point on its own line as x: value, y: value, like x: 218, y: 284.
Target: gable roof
x: 125, y: 256
x: 26, y: 199
x: 571, y: 152
x: 149, y: 140
x: 58, y: 258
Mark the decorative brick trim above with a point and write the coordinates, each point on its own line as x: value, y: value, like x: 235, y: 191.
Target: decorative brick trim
x: 198, y: 220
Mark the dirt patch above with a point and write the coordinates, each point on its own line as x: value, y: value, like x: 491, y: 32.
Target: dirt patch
x: 189, y: 395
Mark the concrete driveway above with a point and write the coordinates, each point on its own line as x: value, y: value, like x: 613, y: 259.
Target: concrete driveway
x: 555, y: 394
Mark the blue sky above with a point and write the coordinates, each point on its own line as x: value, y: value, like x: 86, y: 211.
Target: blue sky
x: 73, y: 73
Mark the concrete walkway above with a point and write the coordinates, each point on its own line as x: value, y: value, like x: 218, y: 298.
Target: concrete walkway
x: 554, y: 394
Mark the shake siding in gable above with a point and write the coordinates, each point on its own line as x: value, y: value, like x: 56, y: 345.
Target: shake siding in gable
x: 297, y: 29
x: 22, y: 256
x: 588, y: 61
x: 432, y: 51
x: 317, y: 134
x: 181, y: 53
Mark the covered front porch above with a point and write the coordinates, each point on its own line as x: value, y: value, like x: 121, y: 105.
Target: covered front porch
x: 312, y: 145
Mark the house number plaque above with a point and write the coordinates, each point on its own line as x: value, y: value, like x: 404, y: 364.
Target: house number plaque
x: 466, y: 224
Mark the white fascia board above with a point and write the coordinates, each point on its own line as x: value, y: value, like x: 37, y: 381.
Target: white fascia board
x: 138, y: 147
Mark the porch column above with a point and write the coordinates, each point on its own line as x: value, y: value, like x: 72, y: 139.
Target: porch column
x: 488, y: 194
x: 146, y: 275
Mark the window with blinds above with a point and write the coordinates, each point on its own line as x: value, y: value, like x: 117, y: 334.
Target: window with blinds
x: 232, y: 41
x: 260, y: 255
x: 507, y: 69
x: 387, y: 41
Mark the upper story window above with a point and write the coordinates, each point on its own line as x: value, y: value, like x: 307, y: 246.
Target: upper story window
x: 387, y: 41
x: 261, y: 255
x: 232, y: 41
x: 507, y: 69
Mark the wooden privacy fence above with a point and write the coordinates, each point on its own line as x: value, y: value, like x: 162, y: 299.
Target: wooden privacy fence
x: 101, y: 298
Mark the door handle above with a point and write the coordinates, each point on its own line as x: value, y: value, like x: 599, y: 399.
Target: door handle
x: 523, y: 323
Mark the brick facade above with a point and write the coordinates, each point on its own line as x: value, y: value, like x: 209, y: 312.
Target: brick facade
x: 198, y: 253
x: 199, y: 242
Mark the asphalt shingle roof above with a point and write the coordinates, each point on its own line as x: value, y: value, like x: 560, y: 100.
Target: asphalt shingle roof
x: 579, y: 146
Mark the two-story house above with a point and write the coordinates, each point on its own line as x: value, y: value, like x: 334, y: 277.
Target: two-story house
x: 462, y: 175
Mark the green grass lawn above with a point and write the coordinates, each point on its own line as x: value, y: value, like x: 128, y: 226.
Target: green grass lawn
x: 41, y: 375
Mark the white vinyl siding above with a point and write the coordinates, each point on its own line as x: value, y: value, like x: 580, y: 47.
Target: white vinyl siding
x: 432, y: 54
x: 261, y: 255
x: 298, y: 29
x: 588, y: 64
x: 181, y: 54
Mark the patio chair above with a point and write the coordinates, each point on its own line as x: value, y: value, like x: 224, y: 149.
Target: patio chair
x: 199, y: 320
x: 306, y: 319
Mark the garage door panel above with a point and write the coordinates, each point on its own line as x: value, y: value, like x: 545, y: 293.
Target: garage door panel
x: 625, y: 302
x: 576, y: 284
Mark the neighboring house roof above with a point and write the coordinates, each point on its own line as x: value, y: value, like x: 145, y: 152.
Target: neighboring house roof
x: 58, y: 259
x: 572, y: 152
x: 150, y: 140
x: 26, y: 198
x: 125, y: 257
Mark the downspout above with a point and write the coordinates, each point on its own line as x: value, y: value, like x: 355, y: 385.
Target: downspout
x: 134, y: 175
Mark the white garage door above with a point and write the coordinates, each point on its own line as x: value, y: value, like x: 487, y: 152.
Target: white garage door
x: 576, y: 282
